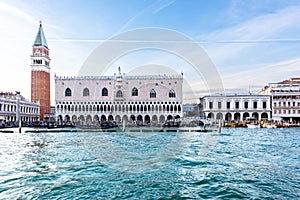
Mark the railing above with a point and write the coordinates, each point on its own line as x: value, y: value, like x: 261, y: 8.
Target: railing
x: 117, y: 112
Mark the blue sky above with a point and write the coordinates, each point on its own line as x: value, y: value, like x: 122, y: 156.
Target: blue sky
x: 251, y: 42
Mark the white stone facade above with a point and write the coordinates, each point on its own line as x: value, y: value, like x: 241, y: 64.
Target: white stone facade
x: 236, y: 107
x: 285, y: 99
x: 143, y: 99
x: 29, y: 111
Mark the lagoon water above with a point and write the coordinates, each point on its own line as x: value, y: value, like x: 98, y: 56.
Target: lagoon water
x: 238, y: 163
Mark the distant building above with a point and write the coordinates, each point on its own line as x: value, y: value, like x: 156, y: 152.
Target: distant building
x: 191, y: 110
x: 236, y: 106
x: 40, y: 73
x: 285, y: 97
x: 29, y: 111
x: 142, y: 99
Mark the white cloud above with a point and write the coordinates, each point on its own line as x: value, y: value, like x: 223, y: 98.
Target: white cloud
x: 16, y: 12
x: 260, y: 75
x: 235, y: 50
x: 232, y: 41
x: 16, y: 27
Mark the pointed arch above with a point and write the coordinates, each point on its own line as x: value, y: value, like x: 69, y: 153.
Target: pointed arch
x: 152, y: 93
x: 134, y: 108
x: 104, y: 92
x: 134, y: 92
x: 68, y: 92
x: 119, y: 94
x: 172, y: 94
x: 86, y: 92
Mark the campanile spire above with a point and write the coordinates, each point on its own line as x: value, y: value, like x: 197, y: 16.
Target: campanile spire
x: 40, y: 73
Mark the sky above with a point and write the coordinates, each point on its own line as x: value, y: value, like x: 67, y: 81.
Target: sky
x: 251, y: 43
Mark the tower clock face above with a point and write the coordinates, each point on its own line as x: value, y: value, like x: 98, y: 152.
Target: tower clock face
x: 37, y: 51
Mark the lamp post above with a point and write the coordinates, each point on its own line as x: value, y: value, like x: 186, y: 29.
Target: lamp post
x: 18, y: 120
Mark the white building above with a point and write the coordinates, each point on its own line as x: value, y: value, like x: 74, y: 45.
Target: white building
x: 236, y: 107
x: 285, y: 97
x: 29, y: 111
x: 147, y: 99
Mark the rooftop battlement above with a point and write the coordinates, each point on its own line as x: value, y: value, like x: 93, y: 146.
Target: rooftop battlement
x: 125, y: 77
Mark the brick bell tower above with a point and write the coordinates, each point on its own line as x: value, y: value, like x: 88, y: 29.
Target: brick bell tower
x: 40, y: 73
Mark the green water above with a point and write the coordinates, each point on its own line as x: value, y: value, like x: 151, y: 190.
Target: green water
x: 236, y: 164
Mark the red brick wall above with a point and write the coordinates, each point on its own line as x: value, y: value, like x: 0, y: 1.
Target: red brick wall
x: 40, y: 91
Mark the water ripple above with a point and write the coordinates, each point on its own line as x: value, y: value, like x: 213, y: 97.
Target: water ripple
x: 238, y: 164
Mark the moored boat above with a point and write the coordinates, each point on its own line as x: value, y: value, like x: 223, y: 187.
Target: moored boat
x: 252, y: 122
x: 253, y: 125
x: 271, y: 126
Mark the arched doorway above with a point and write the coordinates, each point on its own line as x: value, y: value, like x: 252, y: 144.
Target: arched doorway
x: 67, y: 118
x: 154, y: 119
x: 147, y: 119
x: 96, y: 120
x: 237, y: 116
x: 132, y: 118
x: 125, y: 118
x: 246, y: 115
x: 211, y: 116
x: 220, y: 116
x: 81, y: 119
x: 255, y: 115
x: 162, y: 119
x: 228, y: 117
x: 89, y: 120
x: 59, y: 119
x: 118, y: 119
x: 139, y: 118
x: 110, y: 118
x: 264, y: 116
x: 169, y: 117
x: 74, y: 119
x: 103, y: 118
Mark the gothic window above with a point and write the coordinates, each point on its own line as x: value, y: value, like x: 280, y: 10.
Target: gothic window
x: 119, y: 94
x: 172, y: 94
x: 104, y: 92
x: 86, y: 92
x: 68, y: 92
x: 135, y: 92
x: 152, y: 94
